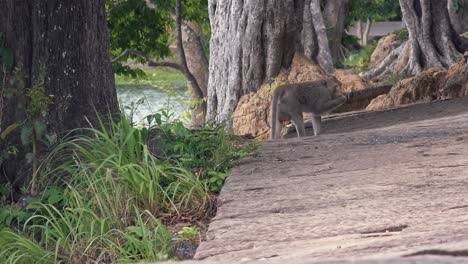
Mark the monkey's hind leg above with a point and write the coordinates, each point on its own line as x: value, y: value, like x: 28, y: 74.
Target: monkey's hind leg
x: 298, y: 122
x: 317, y: 124
x: 277, y: 129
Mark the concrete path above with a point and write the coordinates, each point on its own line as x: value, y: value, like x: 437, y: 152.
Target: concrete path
x: 378, y: 192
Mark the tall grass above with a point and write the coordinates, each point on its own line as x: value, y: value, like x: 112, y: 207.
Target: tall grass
x: 114, y: 188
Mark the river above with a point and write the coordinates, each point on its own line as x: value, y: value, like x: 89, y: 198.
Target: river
x: 144, y: 99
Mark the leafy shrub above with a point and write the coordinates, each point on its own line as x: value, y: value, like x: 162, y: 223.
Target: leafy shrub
x: 114, y: 181
x: 402, y: 34
x: 360, y: 59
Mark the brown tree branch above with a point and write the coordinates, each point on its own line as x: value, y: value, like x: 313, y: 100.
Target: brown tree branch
x: 183, y: 61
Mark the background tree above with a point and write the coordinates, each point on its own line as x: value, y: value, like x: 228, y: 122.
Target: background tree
x: 252, y: 40
x: 432, y: 41
x: 62, y: 75
x: 144, y: 30
x: 370, y: 11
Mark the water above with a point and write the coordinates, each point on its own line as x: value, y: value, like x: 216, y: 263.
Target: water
x: 147, y: 99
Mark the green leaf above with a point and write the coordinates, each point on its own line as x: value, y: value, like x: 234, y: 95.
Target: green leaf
x: 31, y: 200
x: 213, y: 179
x: 55, y: 199
x: 158, y: 118
x: 26, y: 135
x: 40, y: 128
x: 7, y: 58
x: 4, y: 212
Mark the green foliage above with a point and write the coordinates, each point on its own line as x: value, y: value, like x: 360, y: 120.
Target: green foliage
x: 111, y: 185
x: 132, y: 25
x: 458, y: 6
x: 206, y: 151
x: 4, y: 193
x: 402, y: 34
x: 188, y: 232
x: 375, y: 10
x: 359, y: 60
x: 160, y: 77
x: 15, y: 216
x: 16, y: 248
x: 216, y: 180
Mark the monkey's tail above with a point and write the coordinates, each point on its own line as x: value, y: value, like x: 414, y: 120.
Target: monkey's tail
x: 367, y: 93
x: 274, y: 113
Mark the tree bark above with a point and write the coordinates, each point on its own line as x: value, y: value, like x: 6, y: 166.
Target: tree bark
x: 323, y: 58
x: 458, y: 18
x: 365, y: 36
x: 334, y: 13
x: 360, y: 32
x: 432, y: 40
x: 251, y: 41
x: 68, y: 42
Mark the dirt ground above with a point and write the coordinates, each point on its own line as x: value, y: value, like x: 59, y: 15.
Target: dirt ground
x: 376, y: 187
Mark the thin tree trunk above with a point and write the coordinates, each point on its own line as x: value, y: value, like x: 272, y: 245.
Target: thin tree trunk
x: 365, y: 36
x: 197, y: 63
x: 359, y: 32
x: 180, y: 48
x: 68, y: 42
x: 195, y: 66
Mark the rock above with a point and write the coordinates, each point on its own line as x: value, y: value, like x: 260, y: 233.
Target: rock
x: 432, y: 84
x: 184, y: 250
x: 384, y: 47
x: 252, y: 115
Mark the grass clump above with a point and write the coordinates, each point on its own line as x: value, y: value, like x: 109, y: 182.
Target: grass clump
x: 111, y: 189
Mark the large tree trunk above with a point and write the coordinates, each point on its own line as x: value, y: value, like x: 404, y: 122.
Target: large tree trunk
x: 432, y: 40
x: 431, y: 36
x: 68, y: 42
x: 252, y: 40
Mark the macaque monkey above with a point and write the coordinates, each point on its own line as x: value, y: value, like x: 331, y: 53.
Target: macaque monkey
x: 291, y: 100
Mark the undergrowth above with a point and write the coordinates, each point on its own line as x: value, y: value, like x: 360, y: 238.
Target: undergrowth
x: 109, y: 191
x: 359, y: 60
